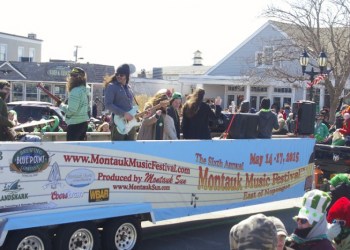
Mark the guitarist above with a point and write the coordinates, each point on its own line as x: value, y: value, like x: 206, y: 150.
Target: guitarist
x: 119, y: 100
x: 6, y: 134
x: 76, y: 110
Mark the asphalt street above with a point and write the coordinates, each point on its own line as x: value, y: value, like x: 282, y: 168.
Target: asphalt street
x: 209, y: 232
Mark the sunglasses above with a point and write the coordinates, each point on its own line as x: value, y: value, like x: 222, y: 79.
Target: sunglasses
x: 340, y: 222
x: 120, y: 75
x: 302, y: 220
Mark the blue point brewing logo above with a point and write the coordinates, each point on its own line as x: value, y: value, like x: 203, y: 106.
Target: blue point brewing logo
x: 30, y: 160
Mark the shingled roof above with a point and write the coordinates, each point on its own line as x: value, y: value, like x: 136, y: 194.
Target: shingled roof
x: 45, y: 71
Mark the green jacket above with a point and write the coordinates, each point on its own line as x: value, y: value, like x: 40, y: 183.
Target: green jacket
x: 78, y: 105
x: 321, y: 132
x: 55, y: 127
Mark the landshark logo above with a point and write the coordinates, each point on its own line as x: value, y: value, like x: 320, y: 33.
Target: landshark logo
x: 30, y: 160
x: 13, y: 188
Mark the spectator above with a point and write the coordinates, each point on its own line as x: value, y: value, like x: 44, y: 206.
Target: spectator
x: 104, y: 127
x: 345, y: 130
x: 325, y: 113
x: 173, y: 111
x: 339, y: 213
x: 281, y: 233
x: 244, y: 107
x: 6, y: 133
x: 312, y: 227
x: 290, y: 123
x: 287, y: 110
x: 257, y: 232
x: 282, y: 127
x: 12, y: 116
x: 325, y: 186
x: 340, y: 187
x: 321, y: 132
x: 52, y: 126
x: 267, y: 120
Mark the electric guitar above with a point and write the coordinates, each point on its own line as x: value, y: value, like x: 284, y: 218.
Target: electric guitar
x: 40, y: 85
x: 124, y: 126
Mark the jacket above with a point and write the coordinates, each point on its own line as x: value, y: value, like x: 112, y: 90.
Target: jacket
x: 78, y: 106
x: 148, y: 128
x: 197, y: 127
x: 267, y: 122
x: 118, y: 98
x: 175, y: 115
x: 5, y: 124
x: 315, y: 239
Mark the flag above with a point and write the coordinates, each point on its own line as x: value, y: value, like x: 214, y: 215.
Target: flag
x: 317, y: 80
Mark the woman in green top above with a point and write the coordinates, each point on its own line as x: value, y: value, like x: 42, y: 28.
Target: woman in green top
x: 321, y: 131
x: 76, y: 110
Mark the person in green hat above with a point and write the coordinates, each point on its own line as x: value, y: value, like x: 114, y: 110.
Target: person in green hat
x: 339, y: 179
x: 173, y: 111
x: 312, y: 227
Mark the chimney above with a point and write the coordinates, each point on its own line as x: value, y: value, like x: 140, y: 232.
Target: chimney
x: 32, y: 36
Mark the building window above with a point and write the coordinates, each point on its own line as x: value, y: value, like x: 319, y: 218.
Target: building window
x: 17, y: 92
x: 282, y: 90
x: 259, y: 89
x: 236, y: 88
x: 268, y: 55
x: 258, y: 59
x: 277, y: 59
x: 20, y: 53
x: 31, y: 54
x: 3, y: 52
x: 60, y: 91
x: 31, y: 92
x: 43, y: 96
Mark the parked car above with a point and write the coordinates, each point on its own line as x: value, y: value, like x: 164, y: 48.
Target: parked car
x: 27, y: 110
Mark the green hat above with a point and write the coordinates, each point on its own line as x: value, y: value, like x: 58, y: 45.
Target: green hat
x: 314, y: 206
x: 339, y: 179
x: 176, y: 95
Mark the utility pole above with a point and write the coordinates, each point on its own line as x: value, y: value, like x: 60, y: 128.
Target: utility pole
x: 76, y: 52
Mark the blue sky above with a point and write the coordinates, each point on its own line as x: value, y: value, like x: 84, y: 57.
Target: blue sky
x: 151, y: 33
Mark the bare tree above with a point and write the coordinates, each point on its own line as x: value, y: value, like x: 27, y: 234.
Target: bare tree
x: 319, y: 25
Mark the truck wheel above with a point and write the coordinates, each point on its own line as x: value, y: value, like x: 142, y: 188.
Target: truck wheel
x: 28, y: 239
x: 121, y: 234
x: 77, y: 236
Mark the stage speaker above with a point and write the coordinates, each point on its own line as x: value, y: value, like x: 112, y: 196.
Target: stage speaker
x: 244, y: 126
x: 304, y: 113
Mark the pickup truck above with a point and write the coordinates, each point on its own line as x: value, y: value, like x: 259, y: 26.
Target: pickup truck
x: 332, y: 159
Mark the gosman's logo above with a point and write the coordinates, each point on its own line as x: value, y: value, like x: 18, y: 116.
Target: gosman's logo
x: 30, y: 160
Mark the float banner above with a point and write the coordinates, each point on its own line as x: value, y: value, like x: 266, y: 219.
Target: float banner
x: 178, y: 178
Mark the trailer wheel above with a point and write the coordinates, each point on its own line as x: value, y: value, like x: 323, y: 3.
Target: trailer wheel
x: 28, y: 239
x: 121, y: 234
x: 77, y: 236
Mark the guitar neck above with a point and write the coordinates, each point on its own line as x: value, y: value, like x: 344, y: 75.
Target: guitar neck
x: 138, y: 115
x: 55, y: 98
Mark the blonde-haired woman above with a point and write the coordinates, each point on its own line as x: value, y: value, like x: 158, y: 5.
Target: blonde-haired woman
x: 157, y: 124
